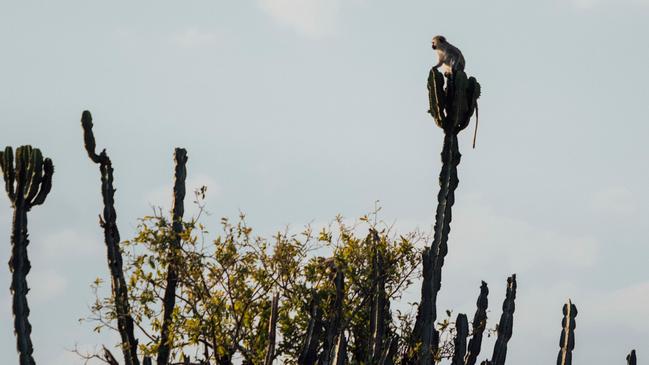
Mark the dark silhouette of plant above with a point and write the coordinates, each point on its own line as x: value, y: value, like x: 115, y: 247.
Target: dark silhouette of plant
x: 28, y: 180
x: 112, y: 239
x: 567, y: 339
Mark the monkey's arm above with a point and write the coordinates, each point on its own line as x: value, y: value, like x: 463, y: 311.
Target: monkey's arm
x: 440, y: 63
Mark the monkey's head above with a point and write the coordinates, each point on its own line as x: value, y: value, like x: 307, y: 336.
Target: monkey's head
x: 438, y: 40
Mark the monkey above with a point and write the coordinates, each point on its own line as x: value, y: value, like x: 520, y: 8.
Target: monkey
x: 449, y: 56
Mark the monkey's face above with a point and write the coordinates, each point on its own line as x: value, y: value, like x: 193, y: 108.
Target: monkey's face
x: 437, y: 41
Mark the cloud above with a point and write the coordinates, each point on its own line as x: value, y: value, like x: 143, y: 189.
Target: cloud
x: 195, y: 38
x: 625, y: 306
x: 66, y: 245
x: 616, y: 201
x: 482, y: 237
x: 45, y: 285
x: 310, y: 18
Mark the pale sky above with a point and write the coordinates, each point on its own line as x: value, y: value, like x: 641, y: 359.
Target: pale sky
x: 296, y: 110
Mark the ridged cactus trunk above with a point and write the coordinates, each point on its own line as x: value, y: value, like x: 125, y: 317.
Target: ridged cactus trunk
x: 479, y: 324
x: 28, y: 180
x: 567, y: 340
x: 334, y: 325
x: 506, y: 324
x: 112, y: 239
x: 459, y: 343
x: 451, y: 107
x: 309, y: 352
x: 272, y: 330
x: 169, y: 299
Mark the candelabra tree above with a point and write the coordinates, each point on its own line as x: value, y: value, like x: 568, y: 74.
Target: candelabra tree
x: 28, y: 181
x: 451, y: 107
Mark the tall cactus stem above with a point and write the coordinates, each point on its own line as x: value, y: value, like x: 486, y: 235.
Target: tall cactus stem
x: 178, y: 210
x: 112, y: 239
x: 340, y: 353
x: 506, y: 324
x: 272, y: 330
x: 334, y: 325
x: 459, y: 343
x: 479, y: 324
x: 28, y: 180
x: 567, y: 340
x: 308, y: 354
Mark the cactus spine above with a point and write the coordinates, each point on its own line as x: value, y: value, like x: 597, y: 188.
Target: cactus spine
x: 27, y: 183
x: 567, y: 340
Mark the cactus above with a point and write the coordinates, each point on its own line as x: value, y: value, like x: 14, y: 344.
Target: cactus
x: 379, y: 307
x: 308, y: 354
x: 111, y: 237
x: 461, y: 333
x: 27, y: 183
x: 479, y: 325
x: 335, y: 323
x: 451, y: 109
x: 272, y: 330
x: 340, y: 353
x: 631, y: 359
x: 567, y: 340
x: 506, y: 323
x: 169, y: 299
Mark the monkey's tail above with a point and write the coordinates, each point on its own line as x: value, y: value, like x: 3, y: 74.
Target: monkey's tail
x: 475, y: 131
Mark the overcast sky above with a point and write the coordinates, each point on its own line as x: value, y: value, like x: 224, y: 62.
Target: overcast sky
x: 296, y: 110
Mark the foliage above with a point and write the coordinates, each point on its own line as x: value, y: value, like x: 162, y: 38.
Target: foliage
x: 225, y: 284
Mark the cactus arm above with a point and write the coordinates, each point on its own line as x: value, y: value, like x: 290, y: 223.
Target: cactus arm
x: 111, y: 237
x: 45, y: 184
x: 8, y: 172
x: 479, y: 325
x: 436, y: 96
x: 34, y: 175
x: 458, y: 106
x: 567, y: 340
x: 506, y: 323
x: 169, y: 299
x: 89, y: 137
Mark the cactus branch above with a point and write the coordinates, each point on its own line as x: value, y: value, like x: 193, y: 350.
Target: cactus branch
x: 111, y: 237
